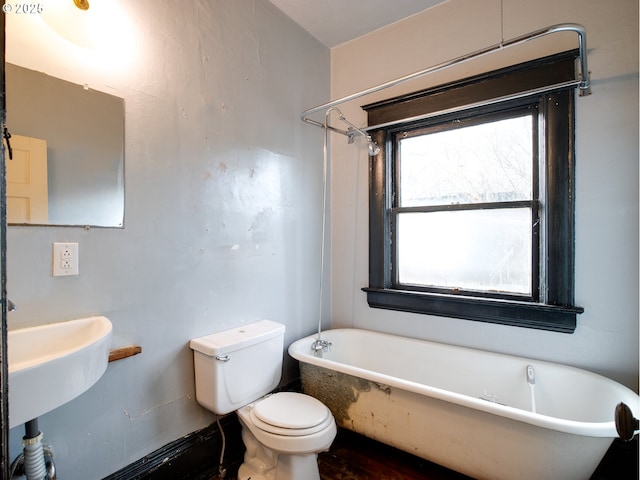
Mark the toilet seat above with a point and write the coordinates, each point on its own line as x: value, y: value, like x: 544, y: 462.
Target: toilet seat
x: 290, y: 414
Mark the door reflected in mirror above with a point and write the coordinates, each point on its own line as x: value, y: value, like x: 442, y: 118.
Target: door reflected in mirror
x: 68, y: 152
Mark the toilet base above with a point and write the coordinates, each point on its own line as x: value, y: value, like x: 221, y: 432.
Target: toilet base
x: 287, y: 467
x: 262, y: 463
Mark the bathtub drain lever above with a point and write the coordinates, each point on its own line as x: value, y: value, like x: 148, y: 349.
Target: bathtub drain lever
x: 531, y: 380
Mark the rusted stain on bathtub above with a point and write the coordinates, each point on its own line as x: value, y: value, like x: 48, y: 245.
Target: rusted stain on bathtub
x: 338, y: 391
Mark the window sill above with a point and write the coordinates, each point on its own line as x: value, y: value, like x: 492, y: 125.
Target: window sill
x: 506, y: 312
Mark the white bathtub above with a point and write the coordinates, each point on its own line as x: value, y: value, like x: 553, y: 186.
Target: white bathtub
x: 465, y: 409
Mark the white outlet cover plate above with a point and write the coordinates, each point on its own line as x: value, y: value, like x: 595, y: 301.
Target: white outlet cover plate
x: 65, y: 259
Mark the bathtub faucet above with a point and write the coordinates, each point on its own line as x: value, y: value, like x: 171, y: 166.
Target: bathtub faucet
x: 321, y: 345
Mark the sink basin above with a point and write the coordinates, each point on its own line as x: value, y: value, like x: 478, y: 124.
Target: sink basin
x: 50, y: 365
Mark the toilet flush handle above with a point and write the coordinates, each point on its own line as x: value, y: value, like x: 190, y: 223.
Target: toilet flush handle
x: 223, y: 358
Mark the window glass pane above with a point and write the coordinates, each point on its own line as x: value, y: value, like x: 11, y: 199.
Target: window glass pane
x: 480, y: 250
x: 490, y: 162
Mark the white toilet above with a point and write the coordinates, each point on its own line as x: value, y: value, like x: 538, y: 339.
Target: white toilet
x: 283, y: 432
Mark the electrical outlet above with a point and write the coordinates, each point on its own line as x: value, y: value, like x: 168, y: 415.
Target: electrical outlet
x: 65, y: 259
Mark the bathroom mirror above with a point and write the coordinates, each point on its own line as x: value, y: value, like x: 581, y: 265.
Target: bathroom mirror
x: 68, y: 152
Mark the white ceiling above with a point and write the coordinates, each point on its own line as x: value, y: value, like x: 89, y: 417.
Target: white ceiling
x: 337, y: 21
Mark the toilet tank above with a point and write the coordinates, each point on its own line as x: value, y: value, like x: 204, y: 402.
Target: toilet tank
x: 238, y: 366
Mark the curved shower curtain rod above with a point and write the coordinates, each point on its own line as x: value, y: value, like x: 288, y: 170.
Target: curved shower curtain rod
x: 583, y: 83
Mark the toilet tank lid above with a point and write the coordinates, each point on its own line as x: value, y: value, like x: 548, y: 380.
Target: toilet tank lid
x: 237, y: 338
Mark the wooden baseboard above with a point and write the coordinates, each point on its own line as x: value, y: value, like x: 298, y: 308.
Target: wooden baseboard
x: 195, y: 454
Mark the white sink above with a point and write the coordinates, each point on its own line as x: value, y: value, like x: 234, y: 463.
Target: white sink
x: 50, y: 365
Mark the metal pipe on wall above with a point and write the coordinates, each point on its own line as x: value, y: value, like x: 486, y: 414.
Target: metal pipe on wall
x: 584, y: 83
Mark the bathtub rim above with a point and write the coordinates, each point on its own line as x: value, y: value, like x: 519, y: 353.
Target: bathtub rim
x: 300, y: 350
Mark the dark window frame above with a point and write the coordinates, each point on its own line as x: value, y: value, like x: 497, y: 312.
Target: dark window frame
x: 553, y: 308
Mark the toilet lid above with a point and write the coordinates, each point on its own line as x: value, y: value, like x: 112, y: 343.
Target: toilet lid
x: 289, y: 413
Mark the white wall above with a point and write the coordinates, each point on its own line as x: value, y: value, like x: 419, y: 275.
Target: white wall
x: 222, y: 220
x: 606, y: 338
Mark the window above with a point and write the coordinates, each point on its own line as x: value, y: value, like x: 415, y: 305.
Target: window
x: 471, y: 212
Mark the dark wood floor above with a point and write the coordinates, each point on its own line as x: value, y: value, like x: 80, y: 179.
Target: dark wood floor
x: 355, y: 457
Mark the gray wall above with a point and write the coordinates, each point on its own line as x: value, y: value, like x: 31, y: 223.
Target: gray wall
x: 222, y: 219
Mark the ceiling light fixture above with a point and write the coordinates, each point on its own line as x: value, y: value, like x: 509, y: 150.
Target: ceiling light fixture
x: 82, y: 4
